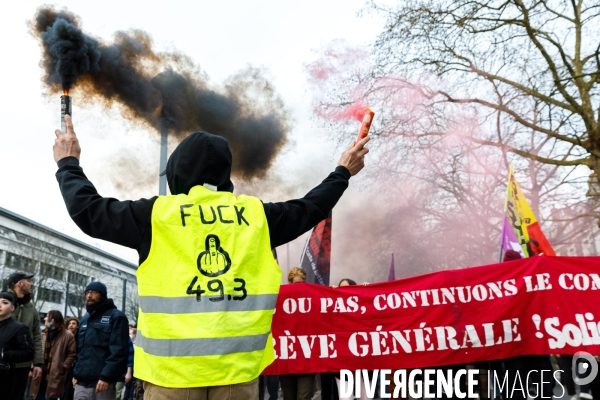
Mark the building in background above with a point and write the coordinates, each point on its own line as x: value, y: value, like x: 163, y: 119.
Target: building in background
x: 63, y: 266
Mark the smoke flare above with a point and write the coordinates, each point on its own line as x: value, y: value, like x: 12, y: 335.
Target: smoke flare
x: 155, y: 85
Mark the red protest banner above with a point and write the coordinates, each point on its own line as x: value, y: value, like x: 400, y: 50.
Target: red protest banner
x: 540, y: 305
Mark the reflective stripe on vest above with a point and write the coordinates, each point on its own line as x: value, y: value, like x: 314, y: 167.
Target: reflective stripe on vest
x: 184, y: 305
x: 207, y: 292
x: 201, y: 347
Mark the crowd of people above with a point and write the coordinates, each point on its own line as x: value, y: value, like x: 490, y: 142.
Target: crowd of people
x: 91, y: 359
x: 184, y: 351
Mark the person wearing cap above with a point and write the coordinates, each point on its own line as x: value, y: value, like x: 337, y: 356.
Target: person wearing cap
x: 21, y: 286
x: 15, y: 347
x: 207, y: 280
x: 102, y: 346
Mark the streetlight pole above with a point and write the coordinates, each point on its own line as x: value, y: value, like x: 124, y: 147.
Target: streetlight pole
x: 66, y: 299
x: 124, y: 300
x: 162, y: 179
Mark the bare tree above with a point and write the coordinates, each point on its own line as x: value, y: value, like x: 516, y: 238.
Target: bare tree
x: 74, y: 287
x: 132, y: 303
x: 433, y: 148
x: 533, y: 67
x: 58, y: 276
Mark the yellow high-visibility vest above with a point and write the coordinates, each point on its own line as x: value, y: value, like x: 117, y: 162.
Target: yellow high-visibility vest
x: 207, y: 292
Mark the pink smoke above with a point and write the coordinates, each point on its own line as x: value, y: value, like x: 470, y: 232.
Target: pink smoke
x: 356, y: 110
x: 335, y: 60
x: 422, y: 161
x: 339, y: 65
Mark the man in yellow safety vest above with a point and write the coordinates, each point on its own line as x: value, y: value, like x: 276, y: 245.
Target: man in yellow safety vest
x: 207, y: 280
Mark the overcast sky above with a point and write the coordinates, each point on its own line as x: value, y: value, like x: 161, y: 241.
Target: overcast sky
x: 222, y: 37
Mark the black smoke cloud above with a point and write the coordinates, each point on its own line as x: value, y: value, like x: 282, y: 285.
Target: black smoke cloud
x: 155, y: 86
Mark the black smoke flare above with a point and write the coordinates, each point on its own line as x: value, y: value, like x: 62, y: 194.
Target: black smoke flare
x: 65, y: 109
x: 153, y: 85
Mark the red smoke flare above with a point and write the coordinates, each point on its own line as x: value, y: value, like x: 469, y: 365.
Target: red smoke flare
x: 356, y: 110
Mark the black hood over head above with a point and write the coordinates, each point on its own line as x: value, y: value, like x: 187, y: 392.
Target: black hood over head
x: 200, y: 158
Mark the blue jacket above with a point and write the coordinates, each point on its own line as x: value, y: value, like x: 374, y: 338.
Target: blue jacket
x: 102, y: 346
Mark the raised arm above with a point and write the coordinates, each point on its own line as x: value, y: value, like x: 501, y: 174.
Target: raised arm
x: 290, y: 219
x: 121, y: 222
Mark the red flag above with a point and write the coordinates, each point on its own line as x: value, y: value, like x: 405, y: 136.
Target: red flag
x: 316, y: 257
x: 529, y: 233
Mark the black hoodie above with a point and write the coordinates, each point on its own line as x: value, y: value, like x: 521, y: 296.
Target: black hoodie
x: 200, y: 159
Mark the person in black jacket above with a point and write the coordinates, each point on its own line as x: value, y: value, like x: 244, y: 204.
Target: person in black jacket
x: 201, y: 159
x: 15, y: 346
x: 102, y: 346
x: 128, y: 222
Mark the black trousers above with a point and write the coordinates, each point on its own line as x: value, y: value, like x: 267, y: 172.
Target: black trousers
x: 522, y: 365
x: 595, y: 387
x: 297, y: 386
x: 69, y: 390
x: 272, y: 383
x: 566, y: 378
x: 18, y: 385
x: 329, y: 386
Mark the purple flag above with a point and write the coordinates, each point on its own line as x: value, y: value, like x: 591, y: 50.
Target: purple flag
x: 508, y: 240
x: 392, y: 274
